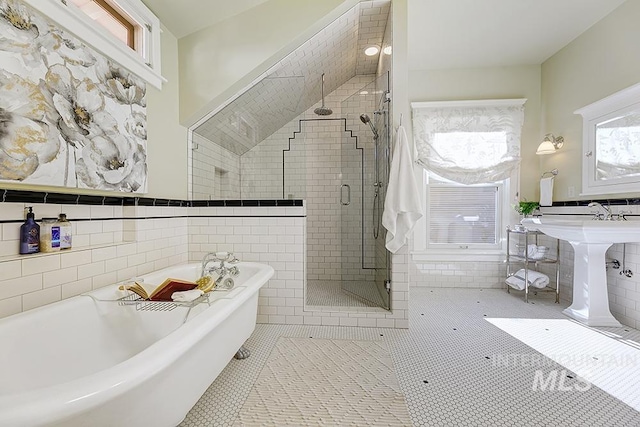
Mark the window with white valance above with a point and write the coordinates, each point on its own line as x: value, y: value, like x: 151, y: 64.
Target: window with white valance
x: 469, y: 142
x: 470, y: 151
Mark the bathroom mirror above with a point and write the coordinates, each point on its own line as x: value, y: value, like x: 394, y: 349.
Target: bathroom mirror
x: 611, y: 143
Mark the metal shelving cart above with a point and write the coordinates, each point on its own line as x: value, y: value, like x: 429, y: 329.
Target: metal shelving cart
x: 528, y: 262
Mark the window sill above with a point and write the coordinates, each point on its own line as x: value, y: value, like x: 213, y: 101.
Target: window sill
x: 459, y: 256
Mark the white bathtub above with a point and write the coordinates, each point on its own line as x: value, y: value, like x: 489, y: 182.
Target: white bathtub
x: 80, y: 362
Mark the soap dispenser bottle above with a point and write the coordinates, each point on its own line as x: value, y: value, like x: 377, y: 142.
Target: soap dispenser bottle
x: 30, y: 235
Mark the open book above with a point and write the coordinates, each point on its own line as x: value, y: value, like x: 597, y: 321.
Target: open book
x: 164, y: 291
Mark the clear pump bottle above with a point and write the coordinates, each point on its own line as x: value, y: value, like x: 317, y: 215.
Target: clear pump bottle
x: 50, y: 235
x: 65, y: 231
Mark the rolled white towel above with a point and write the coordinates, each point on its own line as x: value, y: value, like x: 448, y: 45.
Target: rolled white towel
x: 535, y: 278
x: 536, y: 252
x: 186, y: 296
x: 532, y: 250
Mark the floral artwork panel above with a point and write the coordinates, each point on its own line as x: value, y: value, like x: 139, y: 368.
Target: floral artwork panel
x: 69, y: 116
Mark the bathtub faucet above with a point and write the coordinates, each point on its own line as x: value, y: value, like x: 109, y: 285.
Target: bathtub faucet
x: 211, y: 256
x: 222, y: 270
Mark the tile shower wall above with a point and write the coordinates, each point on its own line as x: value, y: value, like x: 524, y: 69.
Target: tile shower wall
x: 110, y: 244
x: 362, y: 101
x: 261, y: 167
x: 277, y: 236
x: 317, y: 148
x: 215, y: 171
x: 320, y: 140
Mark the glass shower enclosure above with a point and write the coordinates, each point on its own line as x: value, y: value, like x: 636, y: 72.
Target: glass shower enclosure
x: 365, y: 265
x: 339, y: 165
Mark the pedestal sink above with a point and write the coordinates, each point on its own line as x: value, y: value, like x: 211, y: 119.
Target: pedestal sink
x: 590, y: 240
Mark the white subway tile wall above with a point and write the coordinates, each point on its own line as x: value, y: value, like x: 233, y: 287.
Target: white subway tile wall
x: 458, y: 274
x: 30, y: 281
x: 277, y: 236
x: 152, y: 238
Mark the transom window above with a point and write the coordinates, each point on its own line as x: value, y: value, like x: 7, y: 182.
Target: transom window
x: 111, y: 17
x: 125, y: 31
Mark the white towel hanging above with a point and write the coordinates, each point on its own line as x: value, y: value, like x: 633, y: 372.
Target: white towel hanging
x: 546, y: 191
x: 402, y: 206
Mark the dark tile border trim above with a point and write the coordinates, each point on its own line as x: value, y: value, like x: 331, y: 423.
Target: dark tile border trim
x: 20, y: 196
x: 127, y: 218
x: 612, y: 202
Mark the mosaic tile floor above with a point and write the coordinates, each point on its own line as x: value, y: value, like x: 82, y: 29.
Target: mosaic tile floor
x: 330, y: 294
x: 307, y: 381
x: 454, y: 367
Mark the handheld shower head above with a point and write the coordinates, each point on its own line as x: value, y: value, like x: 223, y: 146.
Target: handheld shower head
x: 366, y: 120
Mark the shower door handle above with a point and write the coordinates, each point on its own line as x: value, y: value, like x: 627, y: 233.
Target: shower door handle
x: 342, y: 202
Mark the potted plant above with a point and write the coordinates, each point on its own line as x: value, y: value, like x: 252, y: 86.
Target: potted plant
x: 526, y: 208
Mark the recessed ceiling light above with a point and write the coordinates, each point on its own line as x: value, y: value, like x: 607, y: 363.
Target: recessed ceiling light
x: 371, y: 50
x: 387, y: 50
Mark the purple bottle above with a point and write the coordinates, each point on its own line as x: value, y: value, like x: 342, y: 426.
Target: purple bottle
x: 30, y: 235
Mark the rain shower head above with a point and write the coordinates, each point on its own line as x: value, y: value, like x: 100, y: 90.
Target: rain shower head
x: 366, y: 120
x: 323, y: 111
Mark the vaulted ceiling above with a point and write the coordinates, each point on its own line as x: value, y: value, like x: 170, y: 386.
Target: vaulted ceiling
x: 442, y: 34
x: 293, y: 85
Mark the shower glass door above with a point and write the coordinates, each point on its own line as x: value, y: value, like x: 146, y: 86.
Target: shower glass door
x: 364, y: 259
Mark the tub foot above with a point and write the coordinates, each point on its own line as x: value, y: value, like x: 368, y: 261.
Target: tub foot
x: 243, y: 353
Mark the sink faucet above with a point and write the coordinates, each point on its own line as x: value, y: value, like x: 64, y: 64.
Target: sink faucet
x: 606, y: 216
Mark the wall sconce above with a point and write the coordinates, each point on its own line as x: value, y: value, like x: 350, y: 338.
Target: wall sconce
x: 549, y: 144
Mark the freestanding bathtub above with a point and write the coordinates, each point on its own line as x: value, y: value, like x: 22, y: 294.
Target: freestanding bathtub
x: 85, y: 362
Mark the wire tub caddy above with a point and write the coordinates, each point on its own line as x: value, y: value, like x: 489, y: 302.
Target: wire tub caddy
x: 131, y: 299
x: 142, y: 304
